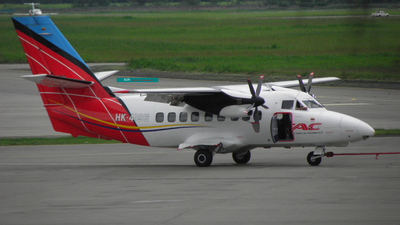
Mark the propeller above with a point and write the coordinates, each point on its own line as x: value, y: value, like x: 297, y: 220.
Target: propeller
x: 309, y: 83
x: 256, y: 101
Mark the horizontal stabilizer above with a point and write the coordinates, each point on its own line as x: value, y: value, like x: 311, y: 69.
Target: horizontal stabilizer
x: 105, y: 74
x: 115, y: 89
x: 56, y: 81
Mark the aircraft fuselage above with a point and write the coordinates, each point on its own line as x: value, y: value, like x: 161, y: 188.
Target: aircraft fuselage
x: 280, y: 126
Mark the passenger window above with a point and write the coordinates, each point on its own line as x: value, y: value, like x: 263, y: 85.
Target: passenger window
x: 208, y: 117
x: 221, y: 118
x: 183, y: 116
x: 234, y: 118
x: 160, y: 117
x: 246, y: 118
x: 287, y: 104
x: 171, y: 117
x: 195, y: 116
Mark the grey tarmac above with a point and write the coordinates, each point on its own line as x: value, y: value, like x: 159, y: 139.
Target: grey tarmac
x: 128, y: 184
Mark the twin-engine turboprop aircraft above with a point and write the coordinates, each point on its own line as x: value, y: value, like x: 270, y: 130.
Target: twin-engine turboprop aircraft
x: 225, y: 119
x: 34, y: 11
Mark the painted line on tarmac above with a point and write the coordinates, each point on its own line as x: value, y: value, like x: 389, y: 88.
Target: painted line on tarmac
x: 347, y: 104
x: 158, y: 201
x: 75, y: 155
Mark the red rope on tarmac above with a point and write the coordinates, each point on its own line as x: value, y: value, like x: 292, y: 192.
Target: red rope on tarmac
x: 331, y: 154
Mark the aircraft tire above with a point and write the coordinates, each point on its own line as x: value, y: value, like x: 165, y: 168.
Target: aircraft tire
x: 203, y: 158
x: 313, y: 162
x: 241, y: 159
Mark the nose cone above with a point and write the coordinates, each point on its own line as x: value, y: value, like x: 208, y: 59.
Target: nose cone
x: 365, y: 130
x: 345, y: 129
x: 356, y: 129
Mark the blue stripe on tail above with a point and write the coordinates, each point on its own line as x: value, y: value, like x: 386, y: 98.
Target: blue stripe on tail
x: 43, y: 26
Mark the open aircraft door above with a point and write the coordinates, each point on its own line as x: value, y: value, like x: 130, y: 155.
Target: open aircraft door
x: 281, y: 127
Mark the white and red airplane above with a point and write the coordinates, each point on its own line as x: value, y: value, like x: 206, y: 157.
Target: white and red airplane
x: 34, y: 11
x: 225, y: 119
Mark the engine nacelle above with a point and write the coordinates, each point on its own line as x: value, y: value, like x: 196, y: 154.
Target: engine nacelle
x: 234, y: 111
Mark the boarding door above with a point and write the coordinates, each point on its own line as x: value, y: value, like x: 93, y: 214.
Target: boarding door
x: 281, y: 127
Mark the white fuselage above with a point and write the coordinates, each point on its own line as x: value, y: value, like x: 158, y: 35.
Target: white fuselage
x: 280, y: 126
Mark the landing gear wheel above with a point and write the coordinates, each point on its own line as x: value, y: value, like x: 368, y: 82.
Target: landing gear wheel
x: 241, y: 158
x: 312, y: 160
x: 203, y: 158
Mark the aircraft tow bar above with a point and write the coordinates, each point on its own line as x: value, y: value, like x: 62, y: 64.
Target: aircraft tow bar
x: 331, y: 154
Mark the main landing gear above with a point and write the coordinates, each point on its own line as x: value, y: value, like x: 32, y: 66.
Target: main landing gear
x: 241, y: 157
x: 204, y: 157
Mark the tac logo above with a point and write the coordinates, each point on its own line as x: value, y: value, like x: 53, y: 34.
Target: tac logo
x: 302, y: 126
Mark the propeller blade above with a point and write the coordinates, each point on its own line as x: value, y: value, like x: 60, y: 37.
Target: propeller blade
x: 256, y: 123
x: 251, y: 87
x: 256, y: 101
x: 302, y: 88
x: 260, y: 81
x: 256, y: 126
x: 249, y: 108
x: 310, y: 82
x: 256, y: 116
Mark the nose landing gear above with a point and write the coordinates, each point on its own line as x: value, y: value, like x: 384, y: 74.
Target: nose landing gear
x: 314, y: 158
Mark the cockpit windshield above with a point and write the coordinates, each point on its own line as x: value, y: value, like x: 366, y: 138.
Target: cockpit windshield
x: 311, y: 103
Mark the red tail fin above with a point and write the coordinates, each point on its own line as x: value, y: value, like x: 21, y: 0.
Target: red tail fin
x: 75, y: 100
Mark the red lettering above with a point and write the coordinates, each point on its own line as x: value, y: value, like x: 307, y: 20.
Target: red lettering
x: 302, y: 126
x: 311, y: 127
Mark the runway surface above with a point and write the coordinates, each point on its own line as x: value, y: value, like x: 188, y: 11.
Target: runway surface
x: 22, y: 112
x: 128, y: 184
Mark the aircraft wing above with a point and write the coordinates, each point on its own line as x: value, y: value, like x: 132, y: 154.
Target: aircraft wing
x: 295, y: 83
x: 242, y: 88
x: 230, y: 100
x: 191, y: 90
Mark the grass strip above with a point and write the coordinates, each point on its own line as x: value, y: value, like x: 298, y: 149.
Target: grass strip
x: 88, y: 140
x: 383, y: 132
x: 54, y: 141
x: 352, y: 66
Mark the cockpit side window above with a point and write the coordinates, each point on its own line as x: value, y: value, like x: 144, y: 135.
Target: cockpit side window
x: 312, y: 103
x: 300, y: 106
x: 287, y: 104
